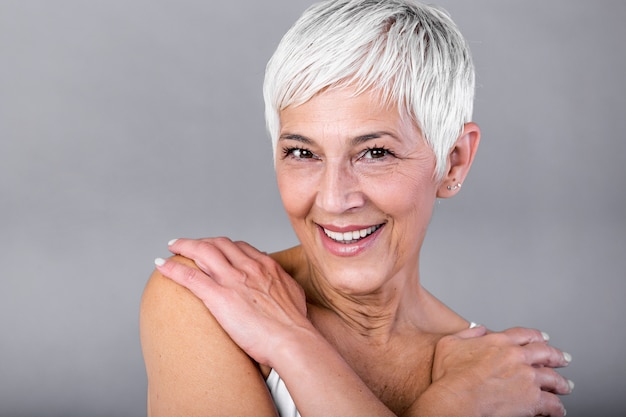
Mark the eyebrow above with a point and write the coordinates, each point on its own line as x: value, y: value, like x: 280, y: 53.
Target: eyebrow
x: 297, y: 138
x: 357, y: 140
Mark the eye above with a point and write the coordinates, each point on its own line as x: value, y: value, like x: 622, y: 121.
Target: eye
x: 376, y: 153
x: 298, y: 153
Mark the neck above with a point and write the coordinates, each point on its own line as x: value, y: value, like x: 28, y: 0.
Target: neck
x: 375, y: 315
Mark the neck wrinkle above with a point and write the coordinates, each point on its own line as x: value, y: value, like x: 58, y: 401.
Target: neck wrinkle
x: 374, y: 316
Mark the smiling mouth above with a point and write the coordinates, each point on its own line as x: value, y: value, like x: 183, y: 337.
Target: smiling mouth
x: 351, y: 237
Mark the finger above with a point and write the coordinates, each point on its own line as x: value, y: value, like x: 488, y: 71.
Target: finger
x: 470, y: 333
x: 551, y: 381
x: 251, y: 251
x: 523, y: 336
x: 550, y: 405
x: 222, y: 247
x: 199, y: 283
x: 256, y: 269
x: 239, y: 253
x: 259, y: 256
x: 541, y: 354
x: 207, y: 256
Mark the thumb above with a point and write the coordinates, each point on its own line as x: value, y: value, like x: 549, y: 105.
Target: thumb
x: 472, y: 332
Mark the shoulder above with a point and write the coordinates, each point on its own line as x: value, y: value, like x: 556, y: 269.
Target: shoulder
x: 293, y: 261
x: 193, y: 366
x: 441, y: 319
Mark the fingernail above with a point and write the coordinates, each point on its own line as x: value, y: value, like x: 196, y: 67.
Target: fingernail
x: 159, y: 261
x: 571, y: 384
x: 564, y: 412
x: 567, y: 357
x: 171, y: 242
x: 545, y: 336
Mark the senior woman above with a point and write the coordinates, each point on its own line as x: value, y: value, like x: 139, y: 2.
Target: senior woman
x: 368, y: 104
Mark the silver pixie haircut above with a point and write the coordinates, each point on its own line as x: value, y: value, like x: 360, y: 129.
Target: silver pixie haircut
x: 413, y: 54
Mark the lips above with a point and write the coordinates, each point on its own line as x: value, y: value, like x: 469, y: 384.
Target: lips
x: 351, y: 236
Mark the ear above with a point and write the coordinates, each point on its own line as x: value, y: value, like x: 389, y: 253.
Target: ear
x: 459, y: 161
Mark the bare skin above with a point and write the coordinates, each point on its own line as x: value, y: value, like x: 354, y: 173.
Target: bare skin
x: 195, y: 368
x: 343, y: 317
x: 369, y: 351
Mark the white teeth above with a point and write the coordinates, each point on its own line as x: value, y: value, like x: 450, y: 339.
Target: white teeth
x: 350, y: 237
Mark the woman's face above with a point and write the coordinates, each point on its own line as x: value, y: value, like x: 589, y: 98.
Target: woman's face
x: 356, y: 180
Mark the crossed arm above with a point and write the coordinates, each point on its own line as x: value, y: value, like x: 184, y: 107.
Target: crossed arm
x: 206, y: 346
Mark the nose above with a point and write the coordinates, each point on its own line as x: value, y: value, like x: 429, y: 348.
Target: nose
x: 339, y: 188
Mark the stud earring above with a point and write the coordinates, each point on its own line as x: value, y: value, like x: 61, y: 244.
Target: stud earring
x: 455, y: 187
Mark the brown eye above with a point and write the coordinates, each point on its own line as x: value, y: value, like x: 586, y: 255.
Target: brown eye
x: 302, y: 153
x: 375, y: 153
x: 298, y: 153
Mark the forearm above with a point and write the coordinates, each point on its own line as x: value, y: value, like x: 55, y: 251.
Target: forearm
x: 320, y: 382
x: 437, y: 401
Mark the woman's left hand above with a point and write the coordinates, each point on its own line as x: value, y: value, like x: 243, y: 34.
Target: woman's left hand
x: 251, y: 296
x: 508, y: 373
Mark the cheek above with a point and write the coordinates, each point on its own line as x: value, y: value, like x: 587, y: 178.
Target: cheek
x: 405, y: 195
x: 296, y: 192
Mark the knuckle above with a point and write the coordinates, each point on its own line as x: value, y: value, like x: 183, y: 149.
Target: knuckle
x: 190, y: 275
x: 195, y: 246
x: 255, y: 269
x: 562, y: 384
x: 222, y: 240
x: 528, y: 374
x: 499, y: 338
x: 252, y: 270
x: 270, y: 264
x: 515, y: 354
x: 528, y: 335
x: 558, y: 356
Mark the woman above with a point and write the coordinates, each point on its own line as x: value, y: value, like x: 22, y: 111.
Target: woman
x: 368, y: 104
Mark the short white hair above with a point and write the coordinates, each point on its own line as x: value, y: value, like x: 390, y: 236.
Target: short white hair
x: 412, y: 53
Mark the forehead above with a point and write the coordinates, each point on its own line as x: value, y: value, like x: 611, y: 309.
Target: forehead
x: 341, y: 111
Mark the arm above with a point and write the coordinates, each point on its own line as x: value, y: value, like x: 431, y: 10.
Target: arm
x: 319, y: 380
x: 241, y: 285
x: 193, y: 367
x: 509, y: 373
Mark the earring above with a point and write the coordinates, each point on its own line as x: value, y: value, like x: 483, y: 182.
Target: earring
x: 455, y: 187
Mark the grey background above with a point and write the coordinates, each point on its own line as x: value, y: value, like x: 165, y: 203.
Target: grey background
x: 124, y: 124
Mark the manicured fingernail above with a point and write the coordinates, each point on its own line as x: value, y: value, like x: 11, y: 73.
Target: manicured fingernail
x: 171, y: 242
x: 567, y: 357
x: 571, y: 384
x: 545, y: 336
x: 159, y: 261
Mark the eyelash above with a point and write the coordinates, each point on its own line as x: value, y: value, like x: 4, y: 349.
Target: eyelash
x: 382, y: 149
x: 289, y: 151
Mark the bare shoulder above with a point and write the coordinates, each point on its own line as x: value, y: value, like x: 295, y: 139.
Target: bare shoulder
x: 293, y: 261
x: 193, y: 367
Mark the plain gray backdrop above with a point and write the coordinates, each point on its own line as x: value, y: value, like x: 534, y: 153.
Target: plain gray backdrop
x: 126, y: 123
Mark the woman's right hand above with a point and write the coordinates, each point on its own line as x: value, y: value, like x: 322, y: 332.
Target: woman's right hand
x: 249, y: 293
x: 509, y: 373
x: 263, y: 310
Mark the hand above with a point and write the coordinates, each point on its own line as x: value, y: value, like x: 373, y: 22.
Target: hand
x: 249, y: 294
x: 509, y: 373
